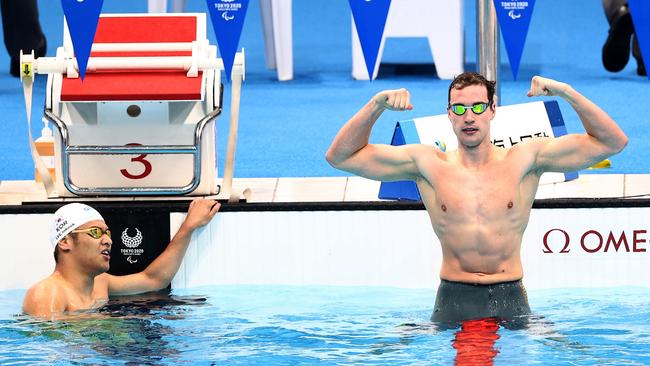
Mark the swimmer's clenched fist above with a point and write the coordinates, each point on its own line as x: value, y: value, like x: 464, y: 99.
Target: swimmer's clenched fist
x: 544, y: 86
x: 394, y: 100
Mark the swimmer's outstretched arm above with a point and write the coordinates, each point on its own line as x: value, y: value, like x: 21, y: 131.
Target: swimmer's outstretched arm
x: 160, y: 272
x: 351, y: 152
x: 602, y: 139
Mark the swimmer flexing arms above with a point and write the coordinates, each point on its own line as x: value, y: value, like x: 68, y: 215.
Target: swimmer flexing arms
x: 478, y: 197
x: 82, y: 247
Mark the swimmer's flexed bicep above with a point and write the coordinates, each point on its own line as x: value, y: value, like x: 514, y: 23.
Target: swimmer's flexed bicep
x: 602, y: 137
x: 350, y: 150
x: 569, y: 153
x: 384, y: 162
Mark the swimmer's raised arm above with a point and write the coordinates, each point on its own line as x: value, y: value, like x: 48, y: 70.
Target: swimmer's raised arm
x: 160, y: 272
x: 350, y: 150
x: 602, y: 139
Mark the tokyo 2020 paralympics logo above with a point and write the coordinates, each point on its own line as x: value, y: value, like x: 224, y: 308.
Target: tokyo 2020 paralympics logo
x: 131, y: 241
x: 594, y: 241
x: 514, y: 8
x: 228, y: 9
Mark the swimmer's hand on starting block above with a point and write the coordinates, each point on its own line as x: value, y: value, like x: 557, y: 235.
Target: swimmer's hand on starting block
x: 544, y: 86
x: 394, y: 100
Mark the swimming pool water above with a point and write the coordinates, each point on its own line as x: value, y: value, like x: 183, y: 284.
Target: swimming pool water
x: 277, y: 325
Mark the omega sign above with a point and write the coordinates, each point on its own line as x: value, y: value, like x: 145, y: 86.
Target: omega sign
x: 595, y: 241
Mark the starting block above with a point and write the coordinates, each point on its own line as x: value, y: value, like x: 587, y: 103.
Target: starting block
x: 142, y: 122
x: 511, y: 125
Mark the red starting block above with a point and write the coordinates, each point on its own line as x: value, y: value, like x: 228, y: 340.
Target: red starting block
x: 142, y: 120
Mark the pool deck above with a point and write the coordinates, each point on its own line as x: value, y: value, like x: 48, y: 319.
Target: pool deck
x: 352, y: 189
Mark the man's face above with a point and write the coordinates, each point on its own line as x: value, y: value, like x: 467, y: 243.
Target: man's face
x: 471, y: 128
x: 91, y: 253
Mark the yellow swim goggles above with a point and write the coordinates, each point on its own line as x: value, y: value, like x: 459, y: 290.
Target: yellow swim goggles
x: 95, y: 232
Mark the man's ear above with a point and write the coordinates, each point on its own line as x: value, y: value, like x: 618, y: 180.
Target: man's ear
x: 66, y: 243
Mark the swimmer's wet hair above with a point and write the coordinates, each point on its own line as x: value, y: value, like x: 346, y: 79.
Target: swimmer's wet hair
x: 472, y: 78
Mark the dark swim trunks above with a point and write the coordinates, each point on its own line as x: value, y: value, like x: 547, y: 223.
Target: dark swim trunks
x: 458, y: 301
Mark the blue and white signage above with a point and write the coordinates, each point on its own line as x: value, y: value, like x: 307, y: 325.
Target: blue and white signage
x: 81, y: 17
x: 370, y: 20
x: 514, y: 19
x: 227, y: 19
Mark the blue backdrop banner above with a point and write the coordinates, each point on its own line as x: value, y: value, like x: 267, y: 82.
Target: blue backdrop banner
x: 227, y: 19
x: 640, y: 10
x: 370, y: 19
x: 514, y: 19
x: 82, y: 17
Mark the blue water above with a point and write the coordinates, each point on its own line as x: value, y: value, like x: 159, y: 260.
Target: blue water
x: 275, y: 325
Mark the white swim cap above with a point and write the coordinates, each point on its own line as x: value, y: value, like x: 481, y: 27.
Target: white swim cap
x: 70, y: 217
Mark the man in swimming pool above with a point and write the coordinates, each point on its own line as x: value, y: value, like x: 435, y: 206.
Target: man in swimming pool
x: 82, y: 247
x: 478, y: 197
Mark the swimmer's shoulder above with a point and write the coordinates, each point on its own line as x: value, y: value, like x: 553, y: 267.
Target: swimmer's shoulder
x: 45, y: 298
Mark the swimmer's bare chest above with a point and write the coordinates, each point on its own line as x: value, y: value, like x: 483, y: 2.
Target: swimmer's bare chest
x: 479, y: 216
x: 491, y: 193
x: 479, y: 209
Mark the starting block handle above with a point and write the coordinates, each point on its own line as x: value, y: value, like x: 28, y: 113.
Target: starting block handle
x: 229, y: 169
x: 50, y: 65
x: 67, y: 150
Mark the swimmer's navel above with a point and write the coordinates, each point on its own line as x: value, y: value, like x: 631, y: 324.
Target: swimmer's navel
x: 510, y: 204
x: 443, y: 208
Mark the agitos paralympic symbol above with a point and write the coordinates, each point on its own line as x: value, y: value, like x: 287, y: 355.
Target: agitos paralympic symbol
x: 594, y: 241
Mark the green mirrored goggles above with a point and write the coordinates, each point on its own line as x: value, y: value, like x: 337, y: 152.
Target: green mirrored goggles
x: 460, y: 109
